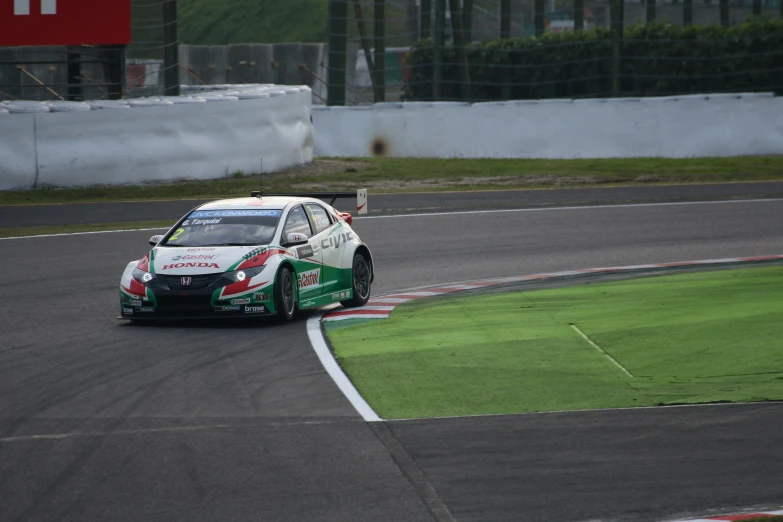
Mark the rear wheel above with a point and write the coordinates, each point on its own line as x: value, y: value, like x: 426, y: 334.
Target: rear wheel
x: 285, y: 297
x: 360, y: 274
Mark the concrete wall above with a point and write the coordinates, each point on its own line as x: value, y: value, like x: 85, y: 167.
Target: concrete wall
x: 674, y: 127
x: 198, y: 136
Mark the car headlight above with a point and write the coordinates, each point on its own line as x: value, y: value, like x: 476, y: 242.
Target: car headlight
x: 237, y: 276
x: 141, y: 276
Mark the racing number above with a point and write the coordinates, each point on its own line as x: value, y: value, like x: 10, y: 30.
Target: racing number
x: 177, y: 234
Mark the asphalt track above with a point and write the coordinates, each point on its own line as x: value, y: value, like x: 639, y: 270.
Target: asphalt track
x: 379, y: 204
x: 100, y: 420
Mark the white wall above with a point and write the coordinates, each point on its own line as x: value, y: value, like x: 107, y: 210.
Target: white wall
x: 157, y: 142
x: 676, y: 127
x: 17, y: 151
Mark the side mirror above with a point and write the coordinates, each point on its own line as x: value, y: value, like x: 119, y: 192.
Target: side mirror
x: 347, y: 217
x: 295, y: 239
x: 154, y: 240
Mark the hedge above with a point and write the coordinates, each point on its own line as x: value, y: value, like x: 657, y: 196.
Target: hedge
x: 657, y: 59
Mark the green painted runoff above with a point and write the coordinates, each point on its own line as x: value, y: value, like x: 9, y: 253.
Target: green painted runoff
x: 690, y: 338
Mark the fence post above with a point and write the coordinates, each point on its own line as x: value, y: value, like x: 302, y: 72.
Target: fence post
x: 724, y: 13
x: 170, y: 49
x: 467, y: 20
x: 425, y: 17
x: 687, y: 12
x: 437, y: 55
x: 380, y: 49
x: 617, y: 37
x: 539, y: 7
x: 579, y: 15
x: 74, y: 75
x: 461, y: 51
x: 505, y: 19
x: 338, y: 48
x: 650, y: 11
x: 114, y: 72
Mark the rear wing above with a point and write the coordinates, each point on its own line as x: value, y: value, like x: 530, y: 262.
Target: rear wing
x: 360, y: 195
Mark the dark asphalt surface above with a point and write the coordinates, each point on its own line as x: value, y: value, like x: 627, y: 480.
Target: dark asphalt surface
x: 100, y: 420
x: 79, y: 214
x: 608, y: 466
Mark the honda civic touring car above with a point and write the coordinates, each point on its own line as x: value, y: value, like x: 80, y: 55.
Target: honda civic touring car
x: 265, y: 255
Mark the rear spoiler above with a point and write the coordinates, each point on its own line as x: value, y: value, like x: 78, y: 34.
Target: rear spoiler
x: 360, y: 195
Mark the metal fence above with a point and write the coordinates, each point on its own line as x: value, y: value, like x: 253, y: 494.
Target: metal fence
x: 370, y: 40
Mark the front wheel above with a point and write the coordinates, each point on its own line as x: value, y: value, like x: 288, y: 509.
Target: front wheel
x: 360, y: 274
x: 285, y: 300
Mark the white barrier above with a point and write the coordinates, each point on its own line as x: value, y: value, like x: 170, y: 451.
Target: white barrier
x: 17, y: 151
x: 674, y: 127
x: 201, y: 136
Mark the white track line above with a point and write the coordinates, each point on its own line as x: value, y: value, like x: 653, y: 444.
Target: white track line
x: 594, y: 345
x: 84, y: 233
x: 393, y: 216
x: 581, y: 207
x: 335, y: 372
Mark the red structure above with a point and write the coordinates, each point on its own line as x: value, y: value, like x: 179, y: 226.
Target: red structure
x: 64, y: 22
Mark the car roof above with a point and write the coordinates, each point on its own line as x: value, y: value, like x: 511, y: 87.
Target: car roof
x: 265, y: 203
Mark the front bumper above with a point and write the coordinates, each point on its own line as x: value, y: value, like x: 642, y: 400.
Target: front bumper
x: 166, y: 299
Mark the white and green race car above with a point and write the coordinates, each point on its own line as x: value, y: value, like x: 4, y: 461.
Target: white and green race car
x: 248, y: 257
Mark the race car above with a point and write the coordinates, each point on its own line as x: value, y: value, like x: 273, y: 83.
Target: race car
x: 265, y: 255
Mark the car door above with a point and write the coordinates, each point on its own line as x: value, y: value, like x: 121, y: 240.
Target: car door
x: 309, y: 259
x: 331, y: 243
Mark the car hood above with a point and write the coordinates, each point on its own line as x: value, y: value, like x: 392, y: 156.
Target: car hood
x: 199, y: 260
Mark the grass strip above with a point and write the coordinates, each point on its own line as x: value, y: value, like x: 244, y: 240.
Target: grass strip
x: 394, y: 175
x: 70, y: 229
x: 688, y: 338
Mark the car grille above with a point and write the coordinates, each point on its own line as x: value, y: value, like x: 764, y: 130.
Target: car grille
x: 197, y: 281
x: 184, y: 303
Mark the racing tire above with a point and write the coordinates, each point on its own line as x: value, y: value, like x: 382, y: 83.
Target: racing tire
x: 360, y: 277
x: 285, y: 295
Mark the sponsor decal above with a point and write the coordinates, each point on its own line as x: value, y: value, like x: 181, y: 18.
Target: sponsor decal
x: 193, y: 222
x: 233, y: 213
x: 134, y: 302
x: 190, y: 265
x: 127, y: 311
x: 146, y: 309
x: 309, y: 278
x: 201, y: 249
x: 307, y: 304
x: 240, y: 301
x: 202, y: 257
x: 227, y: 308
x: 304, y: 252
x: 254, y: 309
x: 341, y: 295
x: 260, y: 296
x: 336, y: 240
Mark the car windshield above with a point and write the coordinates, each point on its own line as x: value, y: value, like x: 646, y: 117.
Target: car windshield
x: 225, y: 228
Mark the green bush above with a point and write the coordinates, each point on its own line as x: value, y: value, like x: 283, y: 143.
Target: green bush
x: 657, y: 59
